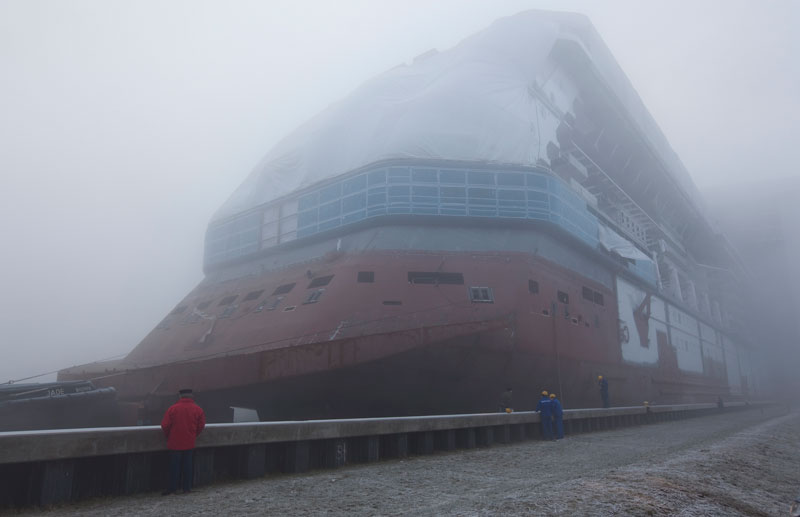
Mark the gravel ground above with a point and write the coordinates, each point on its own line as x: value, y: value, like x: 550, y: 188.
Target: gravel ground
x: 741, y: 463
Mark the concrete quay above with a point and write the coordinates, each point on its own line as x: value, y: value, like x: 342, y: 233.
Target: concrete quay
x: 48, y: 467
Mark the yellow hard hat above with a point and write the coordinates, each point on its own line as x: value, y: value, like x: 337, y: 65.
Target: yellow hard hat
x: 544, y: 393
x: 552, y: 395
x: 509, y: 410
x: 599, y: 377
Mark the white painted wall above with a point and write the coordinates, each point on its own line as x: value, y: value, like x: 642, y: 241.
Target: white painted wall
x: 628, y: 299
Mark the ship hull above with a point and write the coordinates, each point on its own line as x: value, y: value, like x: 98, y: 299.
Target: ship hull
x: 431, y: 349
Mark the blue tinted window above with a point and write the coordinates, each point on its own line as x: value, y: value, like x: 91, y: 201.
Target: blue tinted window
x: 424, y: 175
x: 398, y: 174
x: 376, y: 199
x: 354, y: 202
x: 539, y: 197
x: 452, y: 177
x: 453, y: 211
x: 510, y: 178
x: 354, y: 184
x: 309, y: 201
x: 399, y: 193
x: 481, y: 193
x: 306, y: 218
x: 537, y: 181
x: 511, y: 197
x: 480, y: 178
x: 377, y: 177
x: 333, y: 223
x: 430, y: 192
x: 329, y: 210
x: 355, y: 216
x: 330, y: 193
x: 452, y: 194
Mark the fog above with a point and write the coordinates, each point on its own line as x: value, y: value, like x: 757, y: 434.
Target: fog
x: 124, y: 126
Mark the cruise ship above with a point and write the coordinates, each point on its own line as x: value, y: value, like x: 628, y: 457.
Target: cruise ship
x: 505, y: 213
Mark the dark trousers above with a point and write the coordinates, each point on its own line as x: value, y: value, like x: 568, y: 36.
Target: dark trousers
x: 606, y: 401
x: 559, y: 427
x: 180, y: 468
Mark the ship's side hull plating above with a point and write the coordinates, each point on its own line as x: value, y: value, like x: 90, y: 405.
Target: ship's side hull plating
x: 399, y: 332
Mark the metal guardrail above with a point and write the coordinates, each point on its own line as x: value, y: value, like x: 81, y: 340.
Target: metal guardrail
x: 26, y: 446
x: 45, y: 467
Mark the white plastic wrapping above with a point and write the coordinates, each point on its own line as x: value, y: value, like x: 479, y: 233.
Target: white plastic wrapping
x: 470, y: 103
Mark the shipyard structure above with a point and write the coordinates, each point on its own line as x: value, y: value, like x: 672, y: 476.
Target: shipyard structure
x: 505, y: 213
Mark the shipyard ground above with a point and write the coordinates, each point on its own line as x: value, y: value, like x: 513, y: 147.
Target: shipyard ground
x: 737, y: 463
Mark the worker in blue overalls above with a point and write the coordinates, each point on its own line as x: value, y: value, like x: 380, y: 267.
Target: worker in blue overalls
x: 545, y: 409
x: 558, y: 416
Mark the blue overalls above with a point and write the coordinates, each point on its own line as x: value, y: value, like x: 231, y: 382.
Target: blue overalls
x: 545, y: 408
x: 558, y: 413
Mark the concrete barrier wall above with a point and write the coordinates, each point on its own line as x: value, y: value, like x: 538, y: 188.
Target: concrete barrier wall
x: 46, y: 467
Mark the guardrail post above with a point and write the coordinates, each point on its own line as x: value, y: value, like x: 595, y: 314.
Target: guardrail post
x: 364, y: 448
x: 56, y: 484
x: 502, y: 433
x: 297, y: 456
x: 485, y: 436
x: 465, y: 438
x: 252, y: 461
x: 395, y: 445
x: 334, y: 453
x: 445, y: 440
x: 203, y: 466
x: 423, y: 442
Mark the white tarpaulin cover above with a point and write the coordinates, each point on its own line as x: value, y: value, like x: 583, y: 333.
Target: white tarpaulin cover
x: 616, y: 243
x: 471, y: 103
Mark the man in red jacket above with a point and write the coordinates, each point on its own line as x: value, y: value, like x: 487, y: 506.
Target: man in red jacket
x: 182, y: 422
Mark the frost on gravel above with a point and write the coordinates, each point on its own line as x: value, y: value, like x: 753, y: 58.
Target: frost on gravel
x: 737, y: 463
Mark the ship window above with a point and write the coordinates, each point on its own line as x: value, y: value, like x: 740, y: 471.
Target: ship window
x: 588, y: 294
x: 533, y: 286
x: 563, y: 297
x: 598, y: 298
x: 366, y: 276
x: 458, y: 177
x: 290, y: 308
x: 392, y: 302
x: 435, y: 277
x: 230, y: 309
x: 203, y: 305
x: 314, y: 296
x: 283, y: 289
x: 424, y: 175
x: 253, y: 295
x: 481, y: 295
x: 178, y: 310
x: 320, y: 281
x: 227, y: 300
x: 272, y: 306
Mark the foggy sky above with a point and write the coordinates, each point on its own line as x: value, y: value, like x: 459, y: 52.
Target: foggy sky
x: 124, y: 126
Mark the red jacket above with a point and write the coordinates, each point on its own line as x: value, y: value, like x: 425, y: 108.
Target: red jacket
x: 182, y: 422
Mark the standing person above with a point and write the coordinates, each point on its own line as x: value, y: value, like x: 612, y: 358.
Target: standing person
x: 181, y: 424
x: 558, y: 416
x: 603, y: 391
x: 505, y: 401
x: 545, y: 409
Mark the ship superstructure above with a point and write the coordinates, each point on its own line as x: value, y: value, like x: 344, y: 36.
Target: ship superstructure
x: 504, y: 213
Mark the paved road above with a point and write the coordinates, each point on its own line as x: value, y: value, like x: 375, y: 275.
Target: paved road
x: 740, y: 463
